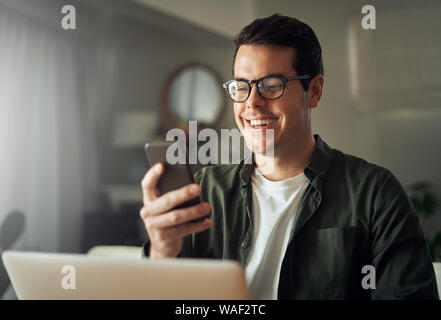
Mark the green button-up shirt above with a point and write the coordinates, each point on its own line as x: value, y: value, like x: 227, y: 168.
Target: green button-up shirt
x: 352, y: 214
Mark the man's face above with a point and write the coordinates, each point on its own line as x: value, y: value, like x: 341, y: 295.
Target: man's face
x: 291, y: 111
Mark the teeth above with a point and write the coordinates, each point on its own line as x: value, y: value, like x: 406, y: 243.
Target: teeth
x: 260, y: 122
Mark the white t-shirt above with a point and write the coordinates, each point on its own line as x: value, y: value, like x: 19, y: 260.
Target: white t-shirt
x: 275, y: 205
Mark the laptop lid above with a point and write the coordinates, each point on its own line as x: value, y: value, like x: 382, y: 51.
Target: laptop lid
x: 37, y: 275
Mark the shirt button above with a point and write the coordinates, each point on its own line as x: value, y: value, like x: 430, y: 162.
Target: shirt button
x: 244, y: 245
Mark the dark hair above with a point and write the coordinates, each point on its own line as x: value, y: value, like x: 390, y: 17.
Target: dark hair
x: 290, y: 32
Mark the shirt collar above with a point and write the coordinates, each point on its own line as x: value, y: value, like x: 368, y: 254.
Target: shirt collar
x: 318, y: 164
x: 320, y: 159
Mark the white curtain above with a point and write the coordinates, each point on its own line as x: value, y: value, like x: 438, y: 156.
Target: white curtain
x: 47, y: 135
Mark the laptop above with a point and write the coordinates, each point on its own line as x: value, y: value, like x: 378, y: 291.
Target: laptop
x: 53, y: 276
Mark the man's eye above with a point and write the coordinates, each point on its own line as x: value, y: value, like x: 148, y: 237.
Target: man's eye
x: 242, y: 89
x: 271, y: 87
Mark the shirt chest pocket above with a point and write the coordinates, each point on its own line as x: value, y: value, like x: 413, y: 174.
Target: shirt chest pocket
x: 337, y: 235
x: 332, y: 253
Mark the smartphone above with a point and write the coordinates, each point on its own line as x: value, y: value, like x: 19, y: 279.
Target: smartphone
x: 174, y: 176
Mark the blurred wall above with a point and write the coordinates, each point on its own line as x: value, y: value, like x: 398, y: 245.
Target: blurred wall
x: 226, y: 17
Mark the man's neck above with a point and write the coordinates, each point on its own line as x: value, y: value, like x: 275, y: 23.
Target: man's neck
x: 286, y: 164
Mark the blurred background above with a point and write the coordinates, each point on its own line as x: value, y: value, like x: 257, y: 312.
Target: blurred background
x: 77, y: 105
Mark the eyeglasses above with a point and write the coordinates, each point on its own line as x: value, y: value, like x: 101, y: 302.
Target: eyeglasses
x: 269, y: 87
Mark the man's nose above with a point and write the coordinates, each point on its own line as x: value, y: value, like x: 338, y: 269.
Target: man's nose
x: 255, y: 100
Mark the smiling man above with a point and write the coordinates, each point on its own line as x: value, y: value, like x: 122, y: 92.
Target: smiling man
x: 306, y: 226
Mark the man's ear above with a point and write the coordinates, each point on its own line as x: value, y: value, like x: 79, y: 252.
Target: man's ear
x: 315, y: 90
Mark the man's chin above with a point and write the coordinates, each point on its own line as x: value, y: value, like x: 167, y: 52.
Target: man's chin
x: 261, y: 148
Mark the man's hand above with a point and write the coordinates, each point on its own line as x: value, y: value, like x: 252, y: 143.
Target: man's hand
x: 165, y: 225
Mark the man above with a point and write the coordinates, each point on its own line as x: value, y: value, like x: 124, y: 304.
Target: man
x: 305, y: 226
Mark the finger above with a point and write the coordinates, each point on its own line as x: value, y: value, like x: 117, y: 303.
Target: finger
x: 149, y: 182
x: 169, y: 235
x: 179, y: 216
x: 144, y: 212
x: 172, y: 199
x: 186, y: 229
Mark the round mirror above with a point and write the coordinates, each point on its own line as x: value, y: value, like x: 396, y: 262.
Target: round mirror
x: 193, y: 92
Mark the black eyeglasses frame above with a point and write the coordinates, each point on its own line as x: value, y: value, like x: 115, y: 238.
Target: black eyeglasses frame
x: 249, y: 82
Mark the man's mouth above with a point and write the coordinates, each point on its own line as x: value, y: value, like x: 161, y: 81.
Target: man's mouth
x: 260, y: 123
